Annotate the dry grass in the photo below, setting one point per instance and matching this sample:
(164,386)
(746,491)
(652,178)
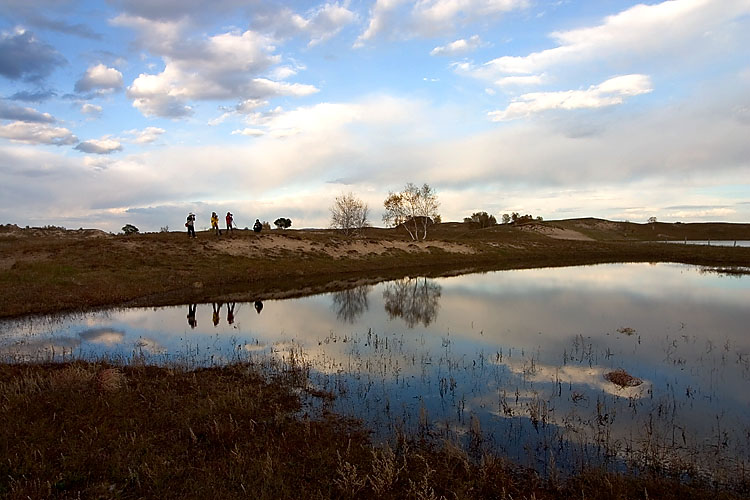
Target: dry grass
(93,430)
(47,271)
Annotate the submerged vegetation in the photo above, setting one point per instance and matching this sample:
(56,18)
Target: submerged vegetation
(103,430)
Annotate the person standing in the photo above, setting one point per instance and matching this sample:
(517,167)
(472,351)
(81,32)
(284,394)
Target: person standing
(230,221)
(215,223)
(190,225)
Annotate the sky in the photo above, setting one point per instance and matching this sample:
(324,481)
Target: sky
(139,111)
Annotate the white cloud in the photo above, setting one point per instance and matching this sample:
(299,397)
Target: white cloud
(439,16)
(640,31)
(37,133)
(100,78)
(225,66)
(382,18)
(377,143)
(91,109)
(458,47)
(253,132)
(319,24)
(428,18)
(520,81)
(145,136)
(250,105)
(23,114)
(104,146)
(608,93)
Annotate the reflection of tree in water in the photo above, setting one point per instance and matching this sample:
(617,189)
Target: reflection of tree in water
(416,300)
(350,304)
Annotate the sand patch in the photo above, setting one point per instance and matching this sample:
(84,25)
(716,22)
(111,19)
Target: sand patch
(263,245)
(557,233)
(271,244)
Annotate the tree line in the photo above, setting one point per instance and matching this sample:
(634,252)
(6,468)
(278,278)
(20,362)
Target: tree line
(414,207)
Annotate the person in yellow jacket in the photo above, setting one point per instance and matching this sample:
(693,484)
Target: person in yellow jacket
(215,223)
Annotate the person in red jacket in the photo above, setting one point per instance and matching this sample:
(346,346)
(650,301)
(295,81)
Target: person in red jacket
(230,221)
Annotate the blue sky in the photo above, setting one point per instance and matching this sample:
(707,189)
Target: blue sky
(138,111)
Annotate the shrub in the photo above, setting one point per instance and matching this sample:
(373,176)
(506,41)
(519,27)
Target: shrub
(130,229)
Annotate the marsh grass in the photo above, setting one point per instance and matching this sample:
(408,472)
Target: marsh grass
(97,430)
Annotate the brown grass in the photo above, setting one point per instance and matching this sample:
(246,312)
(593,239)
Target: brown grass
(71,431)
(47,271)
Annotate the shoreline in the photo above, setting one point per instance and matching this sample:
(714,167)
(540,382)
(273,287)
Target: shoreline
(73,271)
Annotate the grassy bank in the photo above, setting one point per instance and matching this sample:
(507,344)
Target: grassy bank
(96,430)
(51,270)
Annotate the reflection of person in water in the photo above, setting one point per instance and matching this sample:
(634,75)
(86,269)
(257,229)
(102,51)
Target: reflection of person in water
(258,306)
(191,315)
(230,313)
(217,308)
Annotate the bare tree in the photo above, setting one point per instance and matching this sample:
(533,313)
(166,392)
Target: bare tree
(414,208)
(349,213)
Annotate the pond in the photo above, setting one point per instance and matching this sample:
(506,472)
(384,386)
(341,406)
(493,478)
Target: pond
(716,243)
(624,365)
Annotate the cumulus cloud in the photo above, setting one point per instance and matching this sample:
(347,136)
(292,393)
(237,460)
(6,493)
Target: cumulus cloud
(406,19)
(37,133)
(319,24)
(99,78)
(224,66)
(145,136)
(104,146)
(458,47)
(642,30)
(608,93)
(90,109)
(23,56)
(23,114)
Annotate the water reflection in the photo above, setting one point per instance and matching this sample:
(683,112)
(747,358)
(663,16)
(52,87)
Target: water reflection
(415,300)
(350,304)
(103,335)
(191,315)
(517,358)
(217,309)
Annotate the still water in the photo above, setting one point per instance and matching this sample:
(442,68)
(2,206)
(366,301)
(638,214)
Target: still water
(515,362)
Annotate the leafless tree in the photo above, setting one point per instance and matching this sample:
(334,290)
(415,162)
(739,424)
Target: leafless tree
(349,214)
(414,208)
